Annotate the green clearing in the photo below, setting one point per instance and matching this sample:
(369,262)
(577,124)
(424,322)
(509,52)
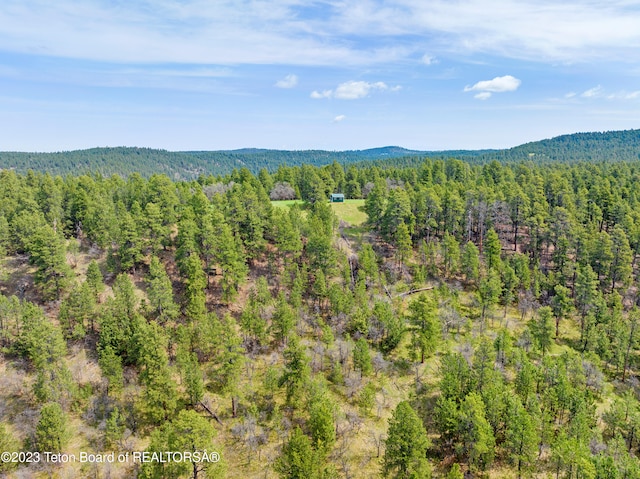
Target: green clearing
(351,211)
(286,203)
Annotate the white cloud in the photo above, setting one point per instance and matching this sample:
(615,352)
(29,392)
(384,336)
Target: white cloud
(289,81)
(485,95)
(339,118)
(599,92)
(538,30)
(592,92)
(354,90)
(497,85)
(281,32)
(317,95)
(429,59)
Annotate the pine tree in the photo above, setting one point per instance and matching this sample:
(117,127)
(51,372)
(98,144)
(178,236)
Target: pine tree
(492,249)
(51,431)
(160,293)
(450,254)
(298,460)
(362,357)
(188,432)
(521,438)
(283,321)
(230,361)
(111,365)
(427,330)
(95,279)
(622,258)
(195,282)
(114,428)
(476,433)
(321,422)
(489,291)
(407,443)
(160,397)
(470,262)
(561,304)
(542,329)
(296,373)
(402,240)
(48,253)
(77,311)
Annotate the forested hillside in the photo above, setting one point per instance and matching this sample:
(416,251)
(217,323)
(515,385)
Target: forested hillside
(186,165)
(189,165)
(483,320)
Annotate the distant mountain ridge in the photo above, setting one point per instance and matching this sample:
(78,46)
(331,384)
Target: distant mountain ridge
(595,146)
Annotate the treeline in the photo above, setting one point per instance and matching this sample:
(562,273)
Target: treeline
(592,146)
(188,165)
(487,316)
(185,165)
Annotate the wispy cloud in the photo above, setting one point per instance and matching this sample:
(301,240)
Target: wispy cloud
(485,95)
(318,95)
(599,92)
(289,81)
(429,59)
(277,32)
(353,90)
(540,30)
(592,92)
(497,85)
(339,118)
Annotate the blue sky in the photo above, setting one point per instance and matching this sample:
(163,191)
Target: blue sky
(293,74)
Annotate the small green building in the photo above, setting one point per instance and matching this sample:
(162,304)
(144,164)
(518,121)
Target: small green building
(337,198)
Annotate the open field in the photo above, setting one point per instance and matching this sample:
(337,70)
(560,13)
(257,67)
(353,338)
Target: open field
(351,211)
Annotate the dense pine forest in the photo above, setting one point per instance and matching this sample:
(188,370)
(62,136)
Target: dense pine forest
(449,319)
(190,165)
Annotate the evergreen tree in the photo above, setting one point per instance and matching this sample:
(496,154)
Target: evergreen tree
(402,240)
(542,329)
(478,442)
(470,262)
(95,279)
(362,357)
(492,249)
(160,293)
(622,258)
(296,373)
(195,283)
(450,254)
(407,443)
(48,253)
(489,291)
(298,460)
(230,361)
(188,432)
(321,422)
(160,397)
(114,428)
(283,321)
(427,330)
(111,366)
(52,433)
(521,438)
(376,203)
(78,311)
(561,304)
